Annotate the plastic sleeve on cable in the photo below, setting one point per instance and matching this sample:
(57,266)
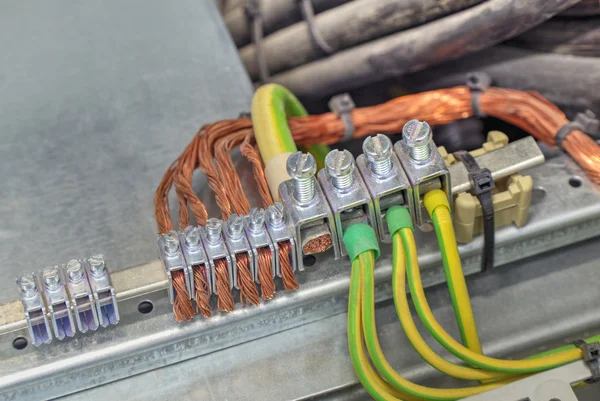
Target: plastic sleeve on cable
(434,199)
(397,218)
(360,238)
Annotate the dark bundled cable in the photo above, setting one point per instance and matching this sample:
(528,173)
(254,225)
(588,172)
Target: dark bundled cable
(448,38)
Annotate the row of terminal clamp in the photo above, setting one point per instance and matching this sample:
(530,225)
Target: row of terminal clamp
(61,300)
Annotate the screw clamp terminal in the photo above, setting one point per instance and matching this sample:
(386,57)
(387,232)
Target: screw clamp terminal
(58,302)
(78,286)
(194,256)
(216,248)
(102,290)
(238,243)
(35,309)
(279,231)
(170,249)
(258,237)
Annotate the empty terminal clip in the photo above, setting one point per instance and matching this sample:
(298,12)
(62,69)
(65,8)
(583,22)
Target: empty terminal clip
(59,304)
(84,308)
(35,310)
(102,290)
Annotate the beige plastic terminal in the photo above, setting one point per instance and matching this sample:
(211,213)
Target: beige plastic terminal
(511,197)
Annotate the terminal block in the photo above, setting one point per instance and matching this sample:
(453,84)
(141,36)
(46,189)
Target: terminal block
(346,193)
(35,309)
(258,237)
(307,209)
(58,303)
(194,256)
(172,256)
(102,290)
(216,249)
(423,165)
(238,244)
(78,286)
(385,180)
(280,232)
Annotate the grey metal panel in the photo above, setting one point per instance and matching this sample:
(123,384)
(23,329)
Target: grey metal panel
(519,310)
(96,100)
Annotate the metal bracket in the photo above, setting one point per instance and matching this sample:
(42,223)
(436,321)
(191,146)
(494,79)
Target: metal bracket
(102,290)
(386,192)
(349,206)
(315,215)
(342,106)
(591,355)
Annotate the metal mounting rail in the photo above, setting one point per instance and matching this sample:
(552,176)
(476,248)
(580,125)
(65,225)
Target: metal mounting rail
(560,214)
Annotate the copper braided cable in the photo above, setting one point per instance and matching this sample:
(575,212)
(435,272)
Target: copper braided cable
(287,273)
(249,150)
(246,284)
(182,306)
(225,302)
(202,291)
(183,184)
(265,273)
(230,179)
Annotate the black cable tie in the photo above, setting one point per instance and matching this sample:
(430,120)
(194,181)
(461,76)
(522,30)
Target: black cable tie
(585,122)
(342,106)
(483,184)
(591,356)
(245,114)
(254,15)
(478,82)
(308,13)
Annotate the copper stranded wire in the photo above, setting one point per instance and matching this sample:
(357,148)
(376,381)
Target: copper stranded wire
(225,301)
(202,291)
(229,175)
(250,151)
(287,273)
(265,273)
(246,284)
(182,306)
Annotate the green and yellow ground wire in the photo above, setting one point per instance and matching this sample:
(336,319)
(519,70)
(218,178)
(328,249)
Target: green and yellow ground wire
(272,105)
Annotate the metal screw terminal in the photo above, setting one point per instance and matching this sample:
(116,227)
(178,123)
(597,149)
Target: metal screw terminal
(378,152)
(257,219)
(417,136)
(275,214)
(340,166)
(213,230)
(75,271)
(235,226)
(51,278)
(97,265)
(192,237)
(171,244)
(302,168)
(28,284)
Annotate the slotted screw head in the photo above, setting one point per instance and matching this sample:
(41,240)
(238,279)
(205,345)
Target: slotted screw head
(27,284)
(51,278)
(97,265)
(235,226)
(339,163)
(171,243)
(416,133)
(377,148)
(74,271)
(257,219)
(301,165)
(275,214)
(214,229)
(192,237)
